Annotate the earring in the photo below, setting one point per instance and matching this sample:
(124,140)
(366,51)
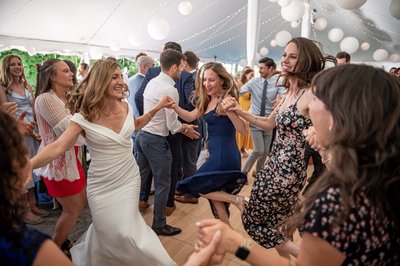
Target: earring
(330,128)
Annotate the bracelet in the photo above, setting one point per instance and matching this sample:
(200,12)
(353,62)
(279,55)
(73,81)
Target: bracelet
(244,250)
(149,115)
(185,130)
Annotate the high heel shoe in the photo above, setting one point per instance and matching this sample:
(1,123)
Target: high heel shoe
(241,202)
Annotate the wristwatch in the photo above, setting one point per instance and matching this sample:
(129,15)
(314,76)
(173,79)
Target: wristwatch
(244,250)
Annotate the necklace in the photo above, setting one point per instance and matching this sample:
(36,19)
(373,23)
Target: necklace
(112,112)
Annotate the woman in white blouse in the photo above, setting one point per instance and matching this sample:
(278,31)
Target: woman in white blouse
(64,177)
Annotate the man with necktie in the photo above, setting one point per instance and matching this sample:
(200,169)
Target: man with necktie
(264,93)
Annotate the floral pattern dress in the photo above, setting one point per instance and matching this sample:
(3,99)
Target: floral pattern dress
(277,186)
(364,237)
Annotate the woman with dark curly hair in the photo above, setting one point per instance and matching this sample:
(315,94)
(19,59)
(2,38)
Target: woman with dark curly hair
(18,244)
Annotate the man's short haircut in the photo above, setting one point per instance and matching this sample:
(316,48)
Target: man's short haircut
(345,55)
(84,66)
(144,60)
(268,62)
(173,46)
(139,55)
(192,59)
(170,57)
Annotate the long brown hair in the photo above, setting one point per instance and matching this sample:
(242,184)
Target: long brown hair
(243,77)
(365,140)
(5,75)
(310,62)
(12,159)
(44,73)
(229,87)
(88,98)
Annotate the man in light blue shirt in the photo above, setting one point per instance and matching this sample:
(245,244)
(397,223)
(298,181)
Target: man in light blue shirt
(264,94)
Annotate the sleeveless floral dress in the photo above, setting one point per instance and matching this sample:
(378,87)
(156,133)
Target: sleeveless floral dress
(277,186)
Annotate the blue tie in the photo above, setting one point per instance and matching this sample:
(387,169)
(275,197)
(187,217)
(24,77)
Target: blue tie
(264,99)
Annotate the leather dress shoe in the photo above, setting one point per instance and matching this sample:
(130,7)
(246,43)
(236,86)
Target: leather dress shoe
(166,230)
(187,199)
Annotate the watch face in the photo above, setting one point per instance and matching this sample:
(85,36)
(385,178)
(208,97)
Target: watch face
(242,252)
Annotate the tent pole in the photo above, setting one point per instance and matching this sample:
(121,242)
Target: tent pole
(253,29)
(306,21)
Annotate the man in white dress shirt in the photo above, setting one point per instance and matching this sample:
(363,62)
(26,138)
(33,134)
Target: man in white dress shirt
(154,154)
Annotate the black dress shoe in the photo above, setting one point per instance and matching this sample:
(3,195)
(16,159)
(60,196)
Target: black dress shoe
(166,230)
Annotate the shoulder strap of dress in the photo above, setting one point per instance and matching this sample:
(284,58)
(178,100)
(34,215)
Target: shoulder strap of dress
(299,97)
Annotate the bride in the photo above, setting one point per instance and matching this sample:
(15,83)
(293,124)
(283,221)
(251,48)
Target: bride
(118,234)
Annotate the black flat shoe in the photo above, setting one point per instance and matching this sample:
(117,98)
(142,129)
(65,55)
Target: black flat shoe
(167,230)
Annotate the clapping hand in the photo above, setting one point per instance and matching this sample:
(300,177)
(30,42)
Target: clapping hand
(9,108)
(25,129)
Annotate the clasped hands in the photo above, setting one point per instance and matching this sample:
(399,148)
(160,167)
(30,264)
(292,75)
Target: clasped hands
(215,239)
(230,104)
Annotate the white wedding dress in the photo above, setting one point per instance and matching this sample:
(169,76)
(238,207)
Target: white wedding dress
(118,235)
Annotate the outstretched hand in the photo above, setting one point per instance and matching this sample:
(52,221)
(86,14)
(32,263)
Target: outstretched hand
(166,101)
(190,132)
(9,108)
(204,255)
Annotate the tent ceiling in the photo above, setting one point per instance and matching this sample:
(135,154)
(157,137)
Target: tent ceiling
(214,28)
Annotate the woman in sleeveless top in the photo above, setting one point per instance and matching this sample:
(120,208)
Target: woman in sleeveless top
(17,90)
(220,175)
(277,186)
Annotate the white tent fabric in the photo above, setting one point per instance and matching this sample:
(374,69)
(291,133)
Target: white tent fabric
(214,29)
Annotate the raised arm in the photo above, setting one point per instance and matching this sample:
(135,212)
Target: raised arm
(141,121)
(55,149)
(266,123)
(237,122)
(186,115)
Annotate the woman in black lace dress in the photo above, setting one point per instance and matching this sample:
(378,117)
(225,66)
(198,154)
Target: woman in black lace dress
(277,186)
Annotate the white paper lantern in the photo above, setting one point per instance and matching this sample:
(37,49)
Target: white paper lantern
(335,35)
(273,1)
(320,24)
(295,24)
(349,44)
(283,3)
(257,57)
(243,62)
(350,4)
(95,53)
(134,39)
(380,55)
(158,29)
(115,46)
(282,38)
(264,51)
(273,43)
(394,58)
(185,7)
(394,8)
(294,11)
(364,46)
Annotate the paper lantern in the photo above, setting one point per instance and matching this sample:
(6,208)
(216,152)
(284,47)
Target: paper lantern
(243,62)
(394,58)
(115,46)
(273,1)
(282,38)
(283,3)
(257,57)
(134,39)
(158,29)
(335,34)
(294,11)
(295,24)
(349,44)
(364,46)
(95,53)
(273,43)
(185,7)
(380,55)
(350,4)
(264,51)
(320,24)
(394,9)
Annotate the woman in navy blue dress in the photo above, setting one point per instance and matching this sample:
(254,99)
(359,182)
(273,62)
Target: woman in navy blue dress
(220,175)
